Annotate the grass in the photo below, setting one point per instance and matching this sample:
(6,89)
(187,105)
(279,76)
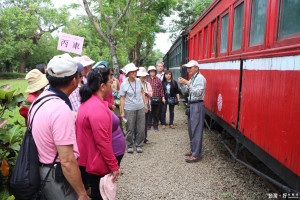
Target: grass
(16,84)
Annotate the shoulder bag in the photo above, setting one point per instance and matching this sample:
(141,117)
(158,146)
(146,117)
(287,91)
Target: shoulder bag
(25,182)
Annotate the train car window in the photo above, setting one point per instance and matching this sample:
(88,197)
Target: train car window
(206,41)
(258,21)
(200,43)
(289,18)
(192,49)
(196,47)
(214,38)
(238,27)
(224,33)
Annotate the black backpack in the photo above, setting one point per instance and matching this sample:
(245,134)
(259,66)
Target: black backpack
(25,182)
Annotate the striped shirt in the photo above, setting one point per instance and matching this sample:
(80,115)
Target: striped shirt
(75,99)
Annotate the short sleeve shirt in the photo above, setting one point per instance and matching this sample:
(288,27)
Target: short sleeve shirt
(132,91)
(53,124)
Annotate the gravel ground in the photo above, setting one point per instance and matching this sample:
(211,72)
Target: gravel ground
(161,172)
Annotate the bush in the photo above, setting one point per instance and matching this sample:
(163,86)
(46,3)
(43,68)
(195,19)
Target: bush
(11,134)
(12,75)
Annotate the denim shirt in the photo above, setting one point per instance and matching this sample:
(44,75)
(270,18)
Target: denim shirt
(197,88)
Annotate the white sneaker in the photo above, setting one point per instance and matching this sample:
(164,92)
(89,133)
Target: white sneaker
(130,150)
(139,150)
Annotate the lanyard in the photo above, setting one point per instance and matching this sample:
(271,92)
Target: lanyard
(132,88)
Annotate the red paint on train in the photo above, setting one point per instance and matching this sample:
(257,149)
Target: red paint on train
(222,93)
(269,102)
(269,114)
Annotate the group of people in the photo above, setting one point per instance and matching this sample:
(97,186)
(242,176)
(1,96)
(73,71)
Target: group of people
(144,97)
(79,119)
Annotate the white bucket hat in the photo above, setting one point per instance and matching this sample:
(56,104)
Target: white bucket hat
(151,68)
(36,81)
(123,70)
(130,68)
(142,72)
(192,63)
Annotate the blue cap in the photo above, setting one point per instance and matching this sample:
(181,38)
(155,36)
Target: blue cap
(98,64)
(80,67)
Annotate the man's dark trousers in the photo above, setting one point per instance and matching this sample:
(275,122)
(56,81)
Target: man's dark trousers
(197,114)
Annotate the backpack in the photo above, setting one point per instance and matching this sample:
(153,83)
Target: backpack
(25,182)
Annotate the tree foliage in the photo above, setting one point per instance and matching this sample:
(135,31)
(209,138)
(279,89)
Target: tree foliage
(127,28)
(153,57)
(23,23)
(143,20)
(109,14)
(188,11)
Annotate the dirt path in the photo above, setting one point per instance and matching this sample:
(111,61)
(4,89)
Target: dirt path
(161,172)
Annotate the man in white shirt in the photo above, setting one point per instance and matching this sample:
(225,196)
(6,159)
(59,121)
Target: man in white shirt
(160,70)
(160,74)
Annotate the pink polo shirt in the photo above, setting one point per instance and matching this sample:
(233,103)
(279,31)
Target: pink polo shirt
(53,125)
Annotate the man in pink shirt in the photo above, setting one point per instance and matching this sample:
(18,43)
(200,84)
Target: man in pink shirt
(53,130)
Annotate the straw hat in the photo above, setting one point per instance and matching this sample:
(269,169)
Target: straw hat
(36,81)
(142,72)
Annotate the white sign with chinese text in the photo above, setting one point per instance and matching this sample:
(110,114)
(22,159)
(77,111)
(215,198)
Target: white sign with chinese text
(70,43)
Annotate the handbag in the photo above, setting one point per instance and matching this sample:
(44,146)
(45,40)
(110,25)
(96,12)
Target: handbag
(155,100)
(172,100)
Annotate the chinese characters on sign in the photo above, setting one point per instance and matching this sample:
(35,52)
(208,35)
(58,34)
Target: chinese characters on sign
(70,43)
(284,195)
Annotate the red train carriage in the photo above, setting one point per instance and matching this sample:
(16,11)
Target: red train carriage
(249,53)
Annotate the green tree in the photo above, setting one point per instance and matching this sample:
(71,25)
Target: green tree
(23,23)
(93,45)
(188,11)
(153,57)
(110,13)
(143,20)
(43,51)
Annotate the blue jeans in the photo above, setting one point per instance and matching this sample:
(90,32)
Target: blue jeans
(164,111)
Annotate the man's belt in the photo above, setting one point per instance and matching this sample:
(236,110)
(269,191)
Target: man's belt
(198,101)
(46,165)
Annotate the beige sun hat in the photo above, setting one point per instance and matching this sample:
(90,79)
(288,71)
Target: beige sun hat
(36,81)
(142,72)
(151,68)
(130,68)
